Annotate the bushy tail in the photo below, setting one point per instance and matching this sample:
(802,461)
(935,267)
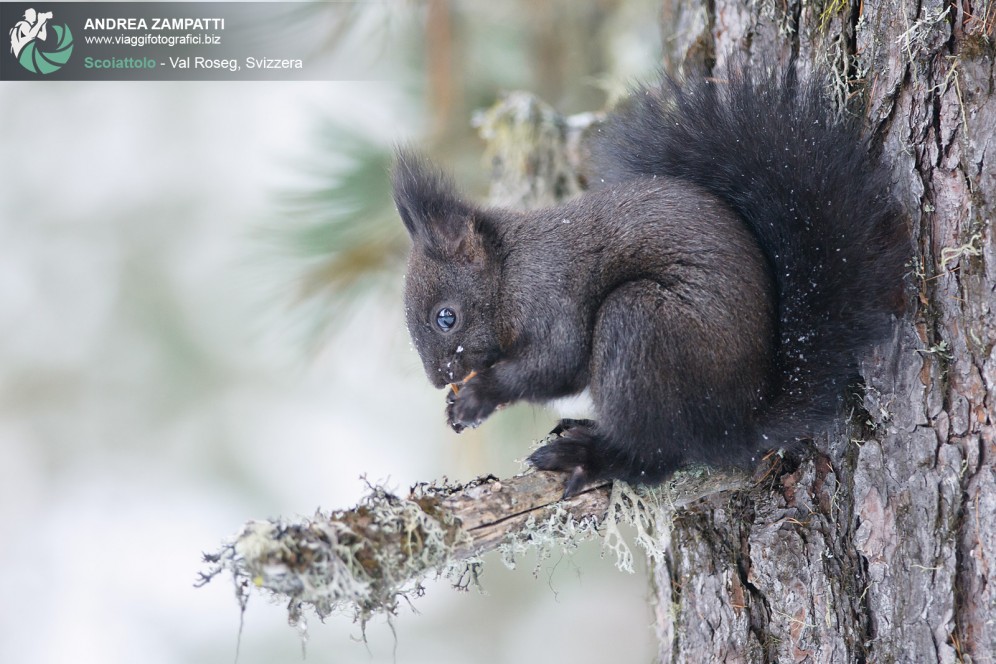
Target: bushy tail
(803,181)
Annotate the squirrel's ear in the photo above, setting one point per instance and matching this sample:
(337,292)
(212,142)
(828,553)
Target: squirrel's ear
(431,210)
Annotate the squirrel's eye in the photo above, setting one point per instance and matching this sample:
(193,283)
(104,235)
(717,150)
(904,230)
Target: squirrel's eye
(446,319)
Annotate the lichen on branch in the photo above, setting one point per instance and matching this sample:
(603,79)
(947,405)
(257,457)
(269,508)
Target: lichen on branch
(365,560)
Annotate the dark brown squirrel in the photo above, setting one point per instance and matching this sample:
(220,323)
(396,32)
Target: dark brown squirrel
(714,289)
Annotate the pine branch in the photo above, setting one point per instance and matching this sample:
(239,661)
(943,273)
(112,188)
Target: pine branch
(367,558)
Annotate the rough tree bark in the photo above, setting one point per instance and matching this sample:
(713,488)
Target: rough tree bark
(881,547)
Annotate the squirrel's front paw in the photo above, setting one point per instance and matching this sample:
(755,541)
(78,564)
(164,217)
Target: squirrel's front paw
(468,407)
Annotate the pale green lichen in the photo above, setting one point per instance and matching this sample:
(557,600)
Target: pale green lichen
(972,248)
(561,532)
(364,561)
(647,510)
(527,149)
(933,27)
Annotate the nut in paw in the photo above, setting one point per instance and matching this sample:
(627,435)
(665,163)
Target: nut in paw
(468,407)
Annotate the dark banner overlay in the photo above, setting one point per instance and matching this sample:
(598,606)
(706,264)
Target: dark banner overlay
(174,41)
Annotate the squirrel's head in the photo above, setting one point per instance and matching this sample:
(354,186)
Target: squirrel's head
(451,287)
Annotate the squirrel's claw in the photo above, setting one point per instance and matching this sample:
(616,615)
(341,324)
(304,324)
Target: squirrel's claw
(575,483)
(569,423)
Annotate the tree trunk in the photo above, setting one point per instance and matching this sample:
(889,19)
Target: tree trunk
(879,548)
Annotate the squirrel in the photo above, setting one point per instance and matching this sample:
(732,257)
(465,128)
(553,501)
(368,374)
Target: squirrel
(713,290)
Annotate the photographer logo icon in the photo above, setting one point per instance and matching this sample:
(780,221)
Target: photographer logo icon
(31,45)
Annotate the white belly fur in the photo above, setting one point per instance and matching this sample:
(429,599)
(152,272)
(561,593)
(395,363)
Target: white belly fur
(577,406)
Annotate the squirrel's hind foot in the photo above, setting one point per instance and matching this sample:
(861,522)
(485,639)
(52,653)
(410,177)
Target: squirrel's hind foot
(577,450)
(585,451)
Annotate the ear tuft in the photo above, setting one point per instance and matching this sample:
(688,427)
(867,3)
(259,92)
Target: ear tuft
(425,196)
(431,210)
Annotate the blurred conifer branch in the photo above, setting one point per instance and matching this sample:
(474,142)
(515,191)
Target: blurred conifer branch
(339,230)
